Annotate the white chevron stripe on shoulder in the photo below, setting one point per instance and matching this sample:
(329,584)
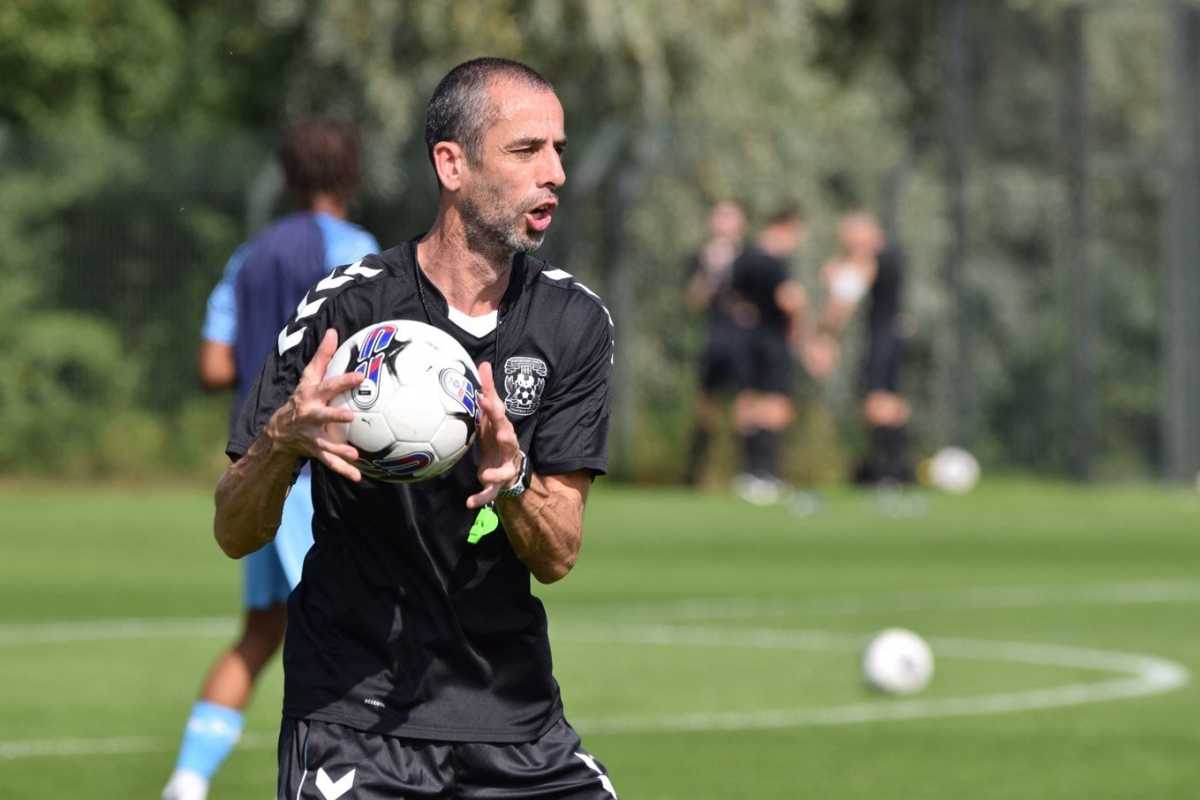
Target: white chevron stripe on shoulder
(596,297)
(320,293)
(560,275)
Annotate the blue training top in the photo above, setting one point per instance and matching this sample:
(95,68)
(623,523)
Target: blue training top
(266,278)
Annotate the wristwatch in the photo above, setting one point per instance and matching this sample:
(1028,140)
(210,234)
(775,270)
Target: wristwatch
(518,486)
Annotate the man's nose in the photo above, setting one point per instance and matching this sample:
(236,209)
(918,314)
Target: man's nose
(553,175)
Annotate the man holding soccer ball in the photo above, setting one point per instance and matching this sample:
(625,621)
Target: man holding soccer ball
(417,660)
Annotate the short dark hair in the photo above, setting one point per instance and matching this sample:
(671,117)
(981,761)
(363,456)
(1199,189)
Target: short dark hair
(459,110)
(787,213)
(321,154)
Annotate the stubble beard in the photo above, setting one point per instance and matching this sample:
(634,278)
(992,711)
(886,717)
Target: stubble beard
(494,227)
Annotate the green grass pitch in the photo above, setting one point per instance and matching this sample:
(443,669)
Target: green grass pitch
(706,648)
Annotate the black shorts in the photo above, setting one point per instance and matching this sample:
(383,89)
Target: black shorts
(324,761)
(881,371)
(723,363)
(769,358)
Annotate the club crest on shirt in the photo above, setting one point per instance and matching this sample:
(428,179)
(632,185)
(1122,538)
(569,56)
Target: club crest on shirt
(524,379)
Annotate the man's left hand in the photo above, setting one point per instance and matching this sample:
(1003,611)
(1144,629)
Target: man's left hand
(499,450)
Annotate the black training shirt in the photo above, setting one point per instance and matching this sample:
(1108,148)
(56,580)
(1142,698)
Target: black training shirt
(719,311)
(400,625)
(756,276)
(885,293)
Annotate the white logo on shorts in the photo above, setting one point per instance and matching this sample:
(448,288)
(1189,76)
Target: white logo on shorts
(594,767)
(332,790)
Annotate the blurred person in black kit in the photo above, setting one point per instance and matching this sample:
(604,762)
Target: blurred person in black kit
(870,267)
(776,305)
(722,361)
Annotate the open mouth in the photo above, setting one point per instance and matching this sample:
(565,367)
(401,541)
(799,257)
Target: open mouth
(539,217)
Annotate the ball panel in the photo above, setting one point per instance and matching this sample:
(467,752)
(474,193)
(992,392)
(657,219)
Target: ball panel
(370,432)
(451,439)
(416,409)
(413,412)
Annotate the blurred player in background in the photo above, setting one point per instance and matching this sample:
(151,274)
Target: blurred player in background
(776,304)
(871,268)
(723,359)
(263,282)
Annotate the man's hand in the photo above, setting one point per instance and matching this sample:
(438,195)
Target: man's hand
(820,355)
(499,450)
(298,426)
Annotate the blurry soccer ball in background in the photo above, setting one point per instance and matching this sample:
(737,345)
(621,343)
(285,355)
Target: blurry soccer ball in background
(417,409)
(897,661)
(951,469)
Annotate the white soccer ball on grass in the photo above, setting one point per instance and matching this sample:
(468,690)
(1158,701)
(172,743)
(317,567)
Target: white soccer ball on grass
(953,470)
(897,661)
(417,409)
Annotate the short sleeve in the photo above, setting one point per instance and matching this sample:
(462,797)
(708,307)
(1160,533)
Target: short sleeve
(332,302)
(573,420)
(220,317)
(293,349)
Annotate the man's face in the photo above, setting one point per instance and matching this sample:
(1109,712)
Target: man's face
(508,193)
(785,238)
(726,221)
(860,235)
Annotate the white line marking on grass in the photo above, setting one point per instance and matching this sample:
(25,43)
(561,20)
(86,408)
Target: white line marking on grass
(105,630)
(1117,594)
(700,608)
(110,745)
(1144,675)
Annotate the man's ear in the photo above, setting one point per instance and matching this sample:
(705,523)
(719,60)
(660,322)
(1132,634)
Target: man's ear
(450,162)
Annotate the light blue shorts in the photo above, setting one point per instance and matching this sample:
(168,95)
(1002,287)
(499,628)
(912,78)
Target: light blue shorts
(270,574)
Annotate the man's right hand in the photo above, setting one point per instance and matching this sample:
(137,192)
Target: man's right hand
(298,426)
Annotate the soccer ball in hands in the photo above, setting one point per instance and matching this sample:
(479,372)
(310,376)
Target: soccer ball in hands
(417,409)
(897,661)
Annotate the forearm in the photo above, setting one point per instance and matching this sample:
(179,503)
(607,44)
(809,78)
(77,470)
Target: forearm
(836,316)
(249,498)
(216,365)
(545,526)
(699,293)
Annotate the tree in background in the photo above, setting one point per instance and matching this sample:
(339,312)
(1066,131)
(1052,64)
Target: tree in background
(134,142)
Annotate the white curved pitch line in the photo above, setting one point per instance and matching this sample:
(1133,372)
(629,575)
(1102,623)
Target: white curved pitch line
(703,608)
(1144,675)
(995,597)
(111,745)
(14,634)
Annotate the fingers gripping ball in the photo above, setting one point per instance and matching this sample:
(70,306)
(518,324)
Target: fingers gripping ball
(416,411)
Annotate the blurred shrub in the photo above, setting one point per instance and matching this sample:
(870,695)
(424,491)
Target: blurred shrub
(63,377)
(131,443)
(198,435)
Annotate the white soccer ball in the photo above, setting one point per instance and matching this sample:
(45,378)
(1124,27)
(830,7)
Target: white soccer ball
(897,661)
(417,409)
(953,470)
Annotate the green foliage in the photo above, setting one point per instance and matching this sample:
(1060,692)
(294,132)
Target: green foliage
(62,377)
(135,146)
